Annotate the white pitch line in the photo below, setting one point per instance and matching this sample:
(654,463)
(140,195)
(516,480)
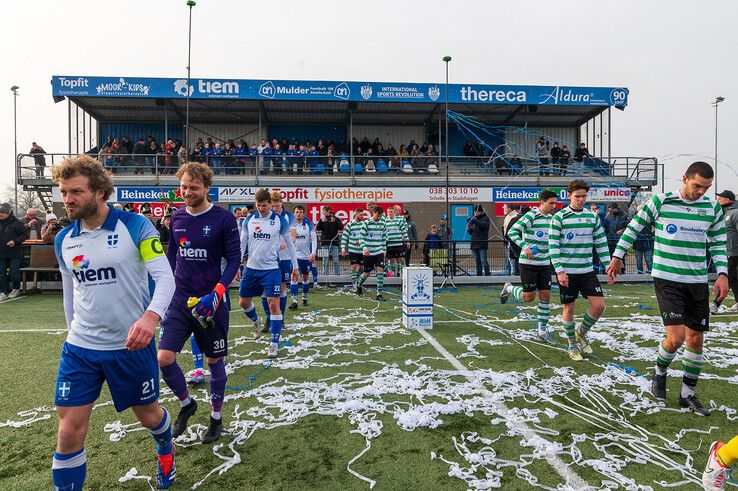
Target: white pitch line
(571,477)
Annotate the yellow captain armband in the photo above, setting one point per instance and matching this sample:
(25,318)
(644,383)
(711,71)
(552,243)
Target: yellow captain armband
(150,249)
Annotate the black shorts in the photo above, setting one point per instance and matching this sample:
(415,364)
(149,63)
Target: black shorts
(356,258)
(585,284)
(396,252)
(373,262)
(535,277)
(684,303)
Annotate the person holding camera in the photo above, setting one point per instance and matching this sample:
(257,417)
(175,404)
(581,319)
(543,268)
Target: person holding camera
(50,229)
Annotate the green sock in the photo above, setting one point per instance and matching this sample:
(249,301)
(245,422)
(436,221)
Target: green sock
(517,292)
(664,359)
(354,275)
(544,310)
(380,281)
(692,362)
(569,330)
(362,279)
(587,323)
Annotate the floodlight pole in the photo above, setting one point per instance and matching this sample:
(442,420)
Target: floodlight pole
(14,89)
(190,4)
(718,100)
(449,246)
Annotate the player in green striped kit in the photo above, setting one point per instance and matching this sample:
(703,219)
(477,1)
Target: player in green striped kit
(573,232)
(530,233)
(375,246)
(352,244)
(397,241)
(686,222)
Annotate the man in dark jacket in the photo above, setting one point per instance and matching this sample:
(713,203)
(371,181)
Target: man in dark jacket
(329,227)
(614,224)
(412,234)
(478,229)
(38,158)
(12,235)
(139,152)
(730,212)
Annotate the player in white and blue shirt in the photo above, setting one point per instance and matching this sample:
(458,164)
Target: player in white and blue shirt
(306,243)
(105,258)
(261,236)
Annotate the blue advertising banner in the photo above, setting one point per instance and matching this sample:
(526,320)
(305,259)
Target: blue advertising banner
(303,90)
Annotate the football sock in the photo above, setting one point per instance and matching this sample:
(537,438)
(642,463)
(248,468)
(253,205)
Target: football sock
(293,289)
(380,282)
(692,362)
(305,289)
(265,304)
(354,276)
(162,434)
(544,310)
(68,471)
(314,270)
(517,292)
(217,385)
(283,302)
(276,327)
(251,313)
(362,279)
(663,359)
(587,323)
(175,379)
(569,330)
(728,453)
(196,353)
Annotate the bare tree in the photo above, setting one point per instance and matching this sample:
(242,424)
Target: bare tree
(26,200)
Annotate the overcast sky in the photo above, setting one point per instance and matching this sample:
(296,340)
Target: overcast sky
(674,56)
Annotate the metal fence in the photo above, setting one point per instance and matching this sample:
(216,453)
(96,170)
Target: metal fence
(644,170)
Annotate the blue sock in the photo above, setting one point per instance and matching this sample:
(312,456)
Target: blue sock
(68,471)
(265,304)
(283,302)
(276,327)
(196,353)
(305,289)
(251,313)
(163,435)
(293,289)
(314,270)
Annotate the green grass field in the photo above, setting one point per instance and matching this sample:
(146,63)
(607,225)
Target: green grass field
(354,399)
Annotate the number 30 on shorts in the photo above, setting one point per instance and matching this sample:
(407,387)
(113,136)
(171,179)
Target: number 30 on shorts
(219,344)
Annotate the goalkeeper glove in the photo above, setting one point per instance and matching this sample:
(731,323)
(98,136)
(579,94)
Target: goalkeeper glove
(206,306)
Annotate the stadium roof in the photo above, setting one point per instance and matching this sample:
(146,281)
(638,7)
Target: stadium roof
(125,99)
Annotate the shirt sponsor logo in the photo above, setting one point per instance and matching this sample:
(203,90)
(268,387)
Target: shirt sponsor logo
(82,271)
(186,250)
(258,234)
(671,228)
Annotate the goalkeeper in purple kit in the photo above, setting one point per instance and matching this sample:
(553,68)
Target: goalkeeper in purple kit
(203,237)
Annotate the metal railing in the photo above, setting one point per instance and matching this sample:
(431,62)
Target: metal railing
(463,260)
(630,169)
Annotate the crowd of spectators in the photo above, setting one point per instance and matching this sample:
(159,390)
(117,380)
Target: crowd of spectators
(270,156)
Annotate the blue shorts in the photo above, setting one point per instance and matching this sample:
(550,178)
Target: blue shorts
(179,324)
(304,265)
(285,269)
(132,376)
(254,282)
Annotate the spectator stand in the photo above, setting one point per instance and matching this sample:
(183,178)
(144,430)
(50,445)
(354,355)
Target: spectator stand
(348,115)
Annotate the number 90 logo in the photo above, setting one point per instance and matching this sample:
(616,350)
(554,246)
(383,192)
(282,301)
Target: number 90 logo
(618,97)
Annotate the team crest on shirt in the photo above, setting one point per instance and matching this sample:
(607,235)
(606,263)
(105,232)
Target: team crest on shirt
(112,240)
(206,230)
(702,212)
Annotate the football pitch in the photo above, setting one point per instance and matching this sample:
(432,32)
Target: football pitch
(356,401)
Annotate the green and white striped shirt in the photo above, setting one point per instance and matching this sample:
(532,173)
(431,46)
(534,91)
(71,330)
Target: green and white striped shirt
(375,237)
(352,238)
(683,230)
(571,236)
(396,231)
(531,230)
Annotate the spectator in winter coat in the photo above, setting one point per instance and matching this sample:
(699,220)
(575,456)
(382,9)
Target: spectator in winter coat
(12,235)
(581,153)
(478,229)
